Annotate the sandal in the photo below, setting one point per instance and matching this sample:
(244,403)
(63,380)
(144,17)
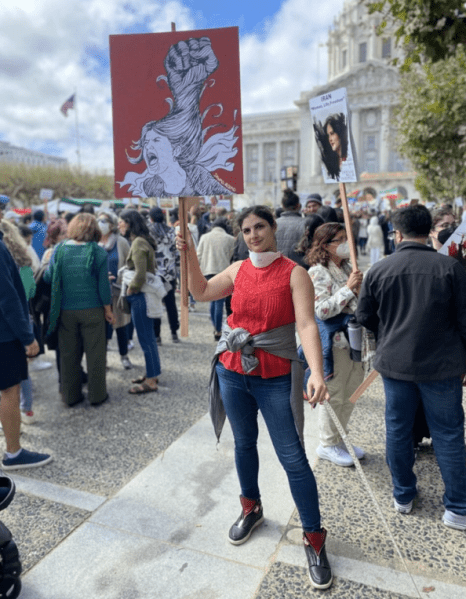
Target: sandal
(141,379)
(142,388)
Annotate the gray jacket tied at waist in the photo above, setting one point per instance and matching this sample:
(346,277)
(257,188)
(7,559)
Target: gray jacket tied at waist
(280,342)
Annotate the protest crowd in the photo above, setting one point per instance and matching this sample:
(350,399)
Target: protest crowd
(280,332)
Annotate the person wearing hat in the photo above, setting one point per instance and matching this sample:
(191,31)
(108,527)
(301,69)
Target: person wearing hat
(313,203)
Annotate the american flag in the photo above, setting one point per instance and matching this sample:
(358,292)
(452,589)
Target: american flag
(67,105)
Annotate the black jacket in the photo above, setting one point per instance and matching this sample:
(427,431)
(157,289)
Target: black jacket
(415,303)
(14,311)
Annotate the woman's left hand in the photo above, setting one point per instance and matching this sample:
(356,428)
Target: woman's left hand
(109,315)
(317,391)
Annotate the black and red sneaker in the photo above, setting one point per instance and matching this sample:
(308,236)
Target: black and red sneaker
(320,572)
(251,517)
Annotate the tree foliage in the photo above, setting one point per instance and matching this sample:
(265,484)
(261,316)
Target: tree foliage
(24,183)
(431,125)
(429,30)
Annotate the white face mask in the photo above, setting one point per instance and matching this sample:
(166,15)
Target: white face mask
(342,250)
(263,259)
(104,227)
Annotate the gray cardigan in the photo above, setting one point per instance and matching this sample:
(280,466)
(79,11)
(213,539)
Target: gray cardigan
(279,342)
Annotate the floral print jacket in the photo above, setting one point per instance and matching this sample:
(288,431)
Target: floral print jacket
(332,295)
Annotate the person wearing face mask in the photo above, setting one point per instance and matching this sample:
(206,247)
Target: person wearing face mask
(336,291)
(117,249)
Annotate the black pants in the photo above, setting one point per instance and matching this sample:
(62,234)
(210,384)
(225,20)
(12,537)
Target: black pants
(172,312)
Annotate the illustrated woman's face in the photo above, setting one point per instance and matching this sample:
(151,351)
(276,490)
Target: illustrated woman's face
(157,152)
(333,139)
(258,235)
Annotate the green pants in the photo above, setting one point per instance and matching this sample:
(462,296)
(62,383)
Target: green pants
(82,330)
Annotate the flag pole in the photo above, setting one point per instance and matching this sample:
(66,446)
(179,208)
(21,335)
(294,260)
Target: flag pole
(78,151)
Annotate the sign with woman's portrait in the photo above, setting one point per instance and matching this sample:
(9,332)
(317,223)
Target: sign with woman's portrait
(331,123)
(176,113)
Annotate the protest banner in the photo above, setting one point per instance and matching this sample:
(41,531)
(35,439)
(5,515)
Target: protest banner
(331,122)
(455,245)
(176,113)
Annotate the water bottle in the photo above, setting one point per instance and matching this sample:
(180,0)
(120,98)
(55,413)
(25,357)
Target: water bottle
(355,339)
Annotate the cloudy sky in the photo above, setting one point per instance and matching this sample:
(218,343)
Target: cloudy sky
(50,48)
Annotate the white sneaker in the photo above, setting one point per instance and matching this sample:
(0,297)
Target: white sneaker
(130,345)
(453,520)
(28,417)
(360,454)
(37,365)
(403,508)
(335,454)
(125,361)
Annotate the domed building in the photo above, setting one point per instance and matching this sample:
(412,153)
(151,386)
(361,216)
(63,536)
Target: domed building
(359,60)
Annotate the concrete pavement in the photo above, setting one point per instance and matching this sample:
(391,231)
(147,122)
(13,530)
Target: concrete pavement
(140,498)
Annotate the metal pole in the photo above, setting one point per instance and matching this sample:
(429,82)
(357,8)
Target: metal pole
(78,151)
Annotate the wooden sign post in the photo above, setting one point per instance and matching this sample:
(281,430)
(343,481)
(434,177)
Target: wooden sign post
(184,205)
(349,229)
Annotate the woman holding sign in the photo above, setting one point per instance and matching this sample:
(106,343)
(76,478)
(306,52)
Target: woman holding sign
(255,367)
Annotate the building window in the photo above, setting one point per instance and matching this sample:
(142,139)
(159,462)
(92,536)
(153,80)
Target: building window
(269,151)
(288,153)
(252,152)
(370,153)
(252,156)
(252,174)
(386,47)
(363,52)
(270,173)
(343,59)
(370,142)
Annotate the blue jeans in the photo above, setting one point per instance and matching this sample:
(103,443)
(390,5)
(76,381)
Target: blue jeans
(216,313)
(145,329)
(26,395)
(445,417)
(243,396)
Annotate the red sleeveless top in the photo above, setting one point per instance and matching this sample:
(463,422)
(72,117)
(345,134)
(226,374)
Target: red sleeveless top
(261,301)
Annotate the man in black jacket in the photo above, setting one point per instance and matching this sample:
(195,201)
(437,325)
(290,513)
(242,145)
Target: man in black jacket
(415,303)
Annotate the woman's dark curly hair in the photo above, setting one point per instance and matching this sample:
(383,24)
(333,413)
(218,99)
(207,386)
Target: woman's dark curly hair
(338,124)
(137,226)
(311,223)
(318,254)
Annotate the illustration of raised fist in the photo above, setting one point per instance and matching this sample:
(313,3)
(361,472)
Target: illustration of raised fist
(190,62)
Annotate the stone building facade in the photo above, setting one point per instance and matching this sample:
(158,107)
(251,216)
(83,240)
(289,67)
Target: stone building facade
(358,60)
(16,154)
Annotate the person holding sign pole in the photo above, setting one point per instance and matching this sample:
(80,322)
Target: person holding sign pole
(336,292)
(256,367)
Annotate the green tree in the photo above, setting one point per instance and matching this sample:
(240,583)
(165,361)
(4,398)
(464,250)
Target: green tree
(429,30)
(21,182)
(431,125)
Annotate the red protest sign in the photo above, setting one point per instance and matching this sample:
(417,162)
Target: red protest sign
(177,113)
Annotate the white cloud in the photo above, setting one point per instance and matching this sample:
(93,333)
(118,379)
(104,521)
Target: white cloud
(50,48)
(286,59)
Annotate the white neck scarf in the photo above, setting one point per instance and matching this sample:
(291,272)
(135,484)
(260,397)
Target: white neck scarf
(263,259)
